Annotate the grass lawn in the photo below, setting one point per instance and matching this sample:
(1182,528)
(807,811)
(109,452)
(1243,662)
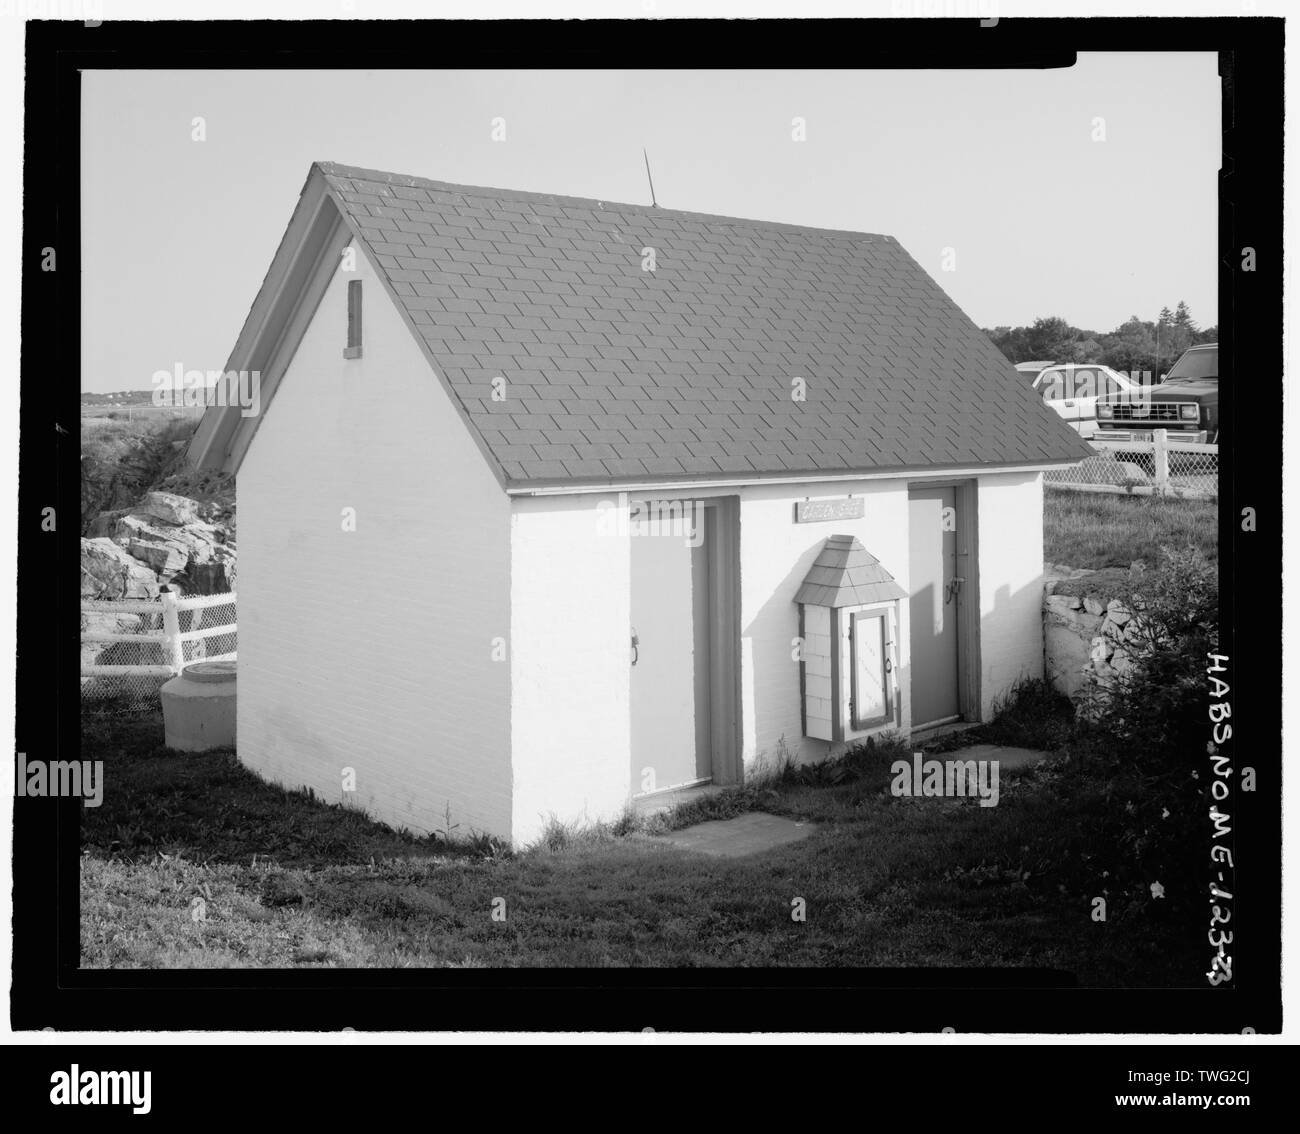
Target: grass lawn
(1096,530)
(192,861)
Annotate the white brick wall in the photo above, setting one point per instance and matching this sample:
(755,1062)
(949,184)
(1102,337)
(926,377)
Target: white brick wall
(570,615)
(570,627)
(775,555)
(1011,581)
(372,649)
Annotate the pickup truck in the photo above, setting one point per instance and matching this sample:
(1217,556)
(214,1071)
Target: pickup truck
(1186,403)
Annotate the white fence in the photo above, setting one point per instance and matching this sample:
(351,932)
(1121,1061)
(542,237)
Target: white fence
(1158,467)
(130,647)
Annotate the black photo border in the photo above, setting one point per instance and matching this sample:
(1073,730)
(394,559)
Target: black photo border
(49,990)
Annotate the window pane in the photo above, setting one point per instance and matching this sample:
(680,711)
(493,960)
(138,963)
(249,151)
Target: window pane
(869,640)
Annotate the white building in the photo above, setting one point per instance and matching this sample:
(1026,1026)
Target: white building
(536,481)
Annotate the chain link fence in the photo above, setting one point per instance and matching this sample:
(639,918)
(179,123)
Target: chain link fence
(1156,467)
(217,621)
(130,648)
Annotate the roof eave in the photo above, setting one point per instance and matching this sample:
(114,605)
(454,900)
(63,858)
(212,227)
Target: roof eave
(562,487)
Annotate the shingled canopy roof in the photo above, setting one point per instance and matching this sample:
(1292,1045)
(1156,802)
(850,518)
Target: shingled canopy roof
(618,373)
(846,574)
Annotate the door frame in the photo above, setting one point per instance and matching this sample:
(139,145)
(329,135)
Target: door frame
(722,531)
(969,682)
(724,637)
(885,611)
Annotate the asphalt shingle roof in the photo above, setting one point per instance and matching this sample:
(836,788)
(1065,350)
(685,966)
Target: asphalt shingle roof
(686,371)
(846,574)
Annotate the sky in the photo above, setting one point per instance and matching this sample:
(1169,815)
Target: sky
(1006,177)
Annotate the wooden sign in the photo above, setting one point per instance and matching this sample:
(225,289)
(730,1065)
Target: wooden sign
(814,511)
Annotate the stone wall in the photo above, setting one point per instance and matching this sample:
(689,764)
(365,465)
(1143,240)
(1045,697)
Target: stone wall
(1088,633)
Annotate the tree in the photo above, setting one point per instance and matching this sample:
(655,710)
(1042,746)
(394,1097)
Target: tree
(1131,347)
(1135,346)
(1052,337)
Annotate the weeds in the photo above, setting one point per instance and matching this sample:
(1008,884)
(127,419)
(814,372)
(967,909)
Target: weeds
(1098,530)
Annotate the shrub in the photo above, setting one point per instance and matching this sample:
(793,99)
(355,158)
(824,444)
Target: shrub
(1032,714)
(1155,707)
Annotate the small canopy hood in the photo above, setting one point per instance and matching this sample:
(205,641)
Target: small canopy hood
(846,574)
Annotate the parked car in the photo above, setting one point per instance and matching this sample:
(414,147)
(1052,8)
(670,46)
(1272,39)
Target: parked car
(1029,370)
(1074,389)
(1185,403)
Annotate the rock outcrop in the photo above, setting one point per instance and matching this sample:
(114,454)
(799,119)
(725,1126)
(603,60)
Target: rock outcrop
(108,571)
(164,539)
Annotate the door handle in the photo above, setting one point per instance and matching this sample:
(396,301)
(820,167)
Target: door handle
(953,589)
(636,647)
(1069,405)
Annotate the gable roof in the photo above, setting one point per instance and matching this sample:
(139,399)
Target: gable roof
(618,373)
(846,574)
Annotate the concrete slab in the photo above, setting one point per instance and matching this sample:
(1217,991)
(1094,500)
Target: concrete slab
(921,737)
(744,835)
(1008,758)
(667,800)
